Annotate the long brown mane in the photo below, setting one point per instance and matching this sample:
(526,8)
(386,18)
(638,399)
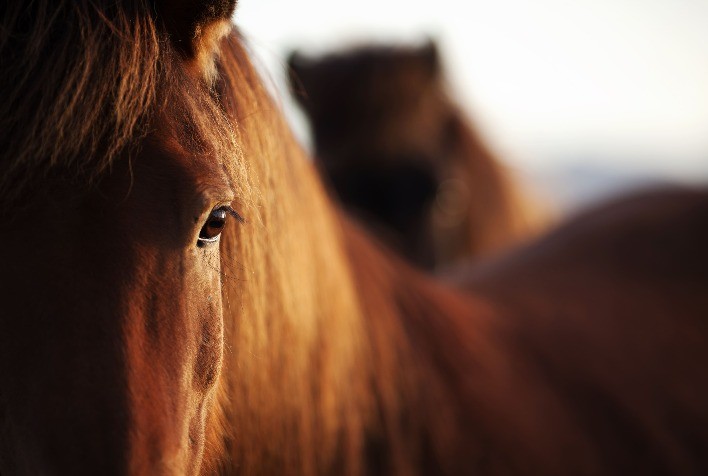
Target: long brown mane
(304,393)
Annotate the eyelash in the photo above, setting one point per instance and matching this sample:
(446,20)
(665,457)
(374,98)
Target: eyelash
(233,213)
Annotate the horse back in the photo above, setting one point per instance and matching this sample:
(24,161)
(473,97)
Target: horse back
(605,325)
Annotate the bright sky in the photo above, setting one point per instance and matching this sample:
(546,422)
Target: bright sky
(622,83)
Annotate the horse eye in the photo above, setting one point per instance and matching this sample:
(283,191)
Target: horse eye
(215,224)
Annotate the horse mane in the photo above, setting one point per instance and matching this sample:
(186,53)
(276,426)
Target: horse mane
(291,307)
(324,369)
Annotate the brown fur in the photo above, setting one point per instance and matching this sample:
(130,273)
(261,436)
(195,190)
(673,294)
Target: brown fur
(382,118)
(298,347)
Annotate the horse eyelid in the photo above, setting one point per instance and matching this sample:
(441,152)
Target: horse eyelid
(228,209)
(234,213)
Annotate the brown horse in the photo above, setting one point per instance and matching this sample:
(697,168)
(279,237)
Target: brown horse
(146,329)
(402,157)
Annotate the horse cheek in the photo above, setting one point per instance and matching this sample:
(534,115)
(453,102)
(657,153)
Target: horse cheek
(209,330)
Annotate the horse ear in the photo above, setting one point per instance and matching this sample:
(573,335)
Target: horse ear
(298,70)
(428,53)
(297,63)
(191,23)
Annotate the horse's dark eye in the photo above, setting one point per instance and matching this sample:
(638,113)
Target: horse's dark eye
(215,224)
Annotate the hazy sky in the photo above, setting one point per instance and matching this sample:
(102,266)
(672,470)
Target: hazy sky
(621,81)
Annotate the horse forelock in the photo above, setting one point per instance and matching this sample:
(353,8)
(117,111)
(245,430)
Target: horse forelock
(85,81)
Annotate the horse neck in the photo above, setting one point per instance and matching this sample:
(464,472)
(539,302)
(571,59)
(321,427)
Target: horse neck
(423,339)
(501,212)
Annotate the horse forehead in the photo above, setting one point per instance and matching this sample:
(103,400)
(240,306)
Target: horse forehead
(202,173)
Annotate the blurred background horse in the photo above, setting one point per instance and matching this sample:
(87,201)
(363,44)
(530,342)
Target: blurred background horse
(402,157)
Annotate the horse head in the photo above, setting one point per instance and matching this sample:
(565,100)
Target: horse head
(401,156)
(113,205)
